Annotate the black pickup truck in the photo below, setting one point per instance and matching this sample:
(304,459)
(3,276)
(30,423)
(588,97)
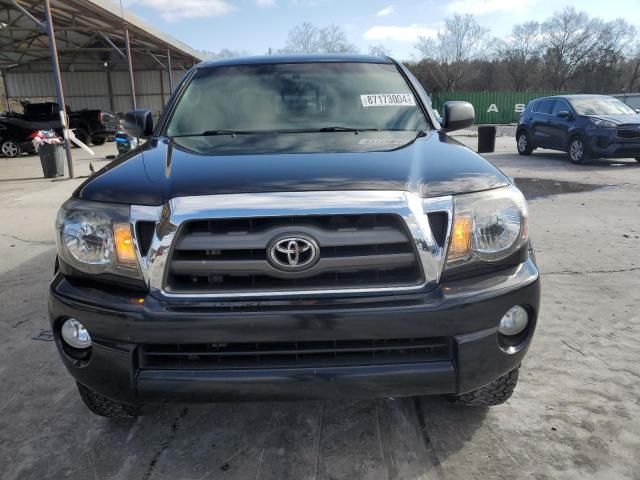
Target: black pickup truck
(295,227)
(90,126)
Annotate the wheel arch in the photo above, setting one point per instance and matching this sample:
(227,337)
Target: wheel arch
(576,132)
(522,129)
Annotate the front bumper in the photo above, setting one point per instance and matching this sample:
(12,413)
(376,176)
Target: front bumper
(610,145)
(465,311)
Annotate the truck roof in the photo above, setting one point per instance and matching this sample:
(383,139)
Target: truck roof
(295,58)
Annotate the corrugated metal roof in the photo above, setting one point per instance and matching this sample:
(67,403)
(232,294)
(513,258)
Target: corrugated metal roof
(114,9)
(85,41)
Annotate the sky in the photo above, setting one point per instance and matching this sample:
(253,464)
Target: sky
(255,26)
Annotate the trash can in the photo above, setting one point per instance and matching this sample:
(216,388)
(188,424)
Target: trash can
(486,139)
(52,160)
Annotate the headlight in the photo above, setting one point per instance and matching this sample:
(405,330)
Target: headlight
(96,238)
(87,237)
(599,122)
(487,226)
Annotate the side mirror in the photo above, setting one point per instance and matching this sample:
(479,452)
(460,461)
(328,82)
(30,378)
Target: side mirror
(457,115)
(564,114)
(138,123)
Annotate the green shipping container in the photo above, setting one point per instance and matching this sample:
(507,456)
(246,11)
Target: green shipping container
(492,107)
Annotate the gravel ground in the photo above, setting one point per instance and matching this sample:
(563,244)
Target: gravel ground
(574,415)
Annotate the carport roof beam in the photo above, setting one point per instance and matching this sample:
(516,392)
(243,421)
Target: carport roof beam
(23,39)
(26,13)
(112,45)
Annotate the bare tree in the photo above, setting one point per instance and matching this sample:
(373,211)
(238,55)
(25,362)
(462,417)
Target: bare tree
(302,39)
(223,53)
(379,51)
(635,69)
(307,38)
(463,39)
(605,66)
(520,52)
(333,39)
(568,39)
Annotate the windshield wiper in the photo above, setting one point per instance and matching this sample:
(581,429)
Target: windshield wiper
(345,129)
(213,133)
(336,128)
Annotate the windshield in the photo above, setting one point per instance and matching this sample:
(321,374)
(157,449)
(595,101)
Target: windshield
(601,106)
(296,97)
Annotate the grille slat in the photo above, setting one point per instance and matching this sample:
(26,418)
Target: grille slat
(262,267)
(231,255)
(260,240)
(294,354)
(629,131)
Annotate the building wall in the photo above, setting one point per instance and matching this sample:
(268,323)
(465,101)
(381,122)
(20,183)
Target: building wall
(90,90)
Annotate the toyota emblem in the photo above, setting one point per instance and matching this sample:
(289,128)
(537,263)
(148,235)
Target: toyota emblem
(294,253)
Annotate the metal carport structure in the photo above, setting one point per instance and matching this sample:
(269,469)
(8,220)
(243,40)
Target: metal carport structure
(106,57)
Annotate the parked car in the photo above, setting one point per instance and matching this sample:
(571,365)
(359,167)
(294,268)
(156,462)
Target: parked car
(90,126)
(585,126)
(15,139)
(295,227)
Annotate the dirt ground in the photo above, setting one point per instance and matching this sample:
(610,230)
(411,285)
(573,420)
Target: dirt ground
(574,415)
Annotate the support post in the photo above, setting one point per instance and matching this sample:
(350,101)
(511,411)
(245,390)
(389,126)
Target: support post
(169,67)
(112,103)
(3,74)
(130,64)
(58,83)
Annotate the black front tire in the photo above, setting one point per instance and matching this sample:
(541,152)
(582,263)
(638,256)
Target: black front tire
(523,142)
(105,407)
(578,150)
(99,140)
(497,392)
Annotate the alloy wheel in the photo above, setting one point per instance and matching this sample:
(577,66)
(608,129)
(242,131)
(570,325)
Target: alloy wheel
(522,142)
(10,149)
(576,151)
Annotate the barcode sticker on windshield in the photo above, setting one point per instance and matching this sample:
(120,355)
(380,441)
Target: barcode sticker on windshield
(388,100)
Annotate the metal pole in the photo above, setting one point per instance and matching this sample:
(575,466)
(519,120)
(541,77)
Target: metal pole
(130,64)
(112,103)
(3,74)
(169,67)
(58,82)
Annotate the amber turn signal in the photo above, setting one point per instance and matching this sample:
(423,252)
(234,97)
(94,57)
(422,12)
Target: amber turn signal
(124,243)
(460,238)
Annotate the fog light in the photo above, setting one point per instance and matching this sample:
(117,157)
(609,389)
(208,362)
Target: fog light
(74,334)
(514,321)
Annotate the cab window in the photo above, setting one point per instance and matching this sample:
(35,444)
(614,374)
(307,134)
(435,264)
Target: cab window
(545,106)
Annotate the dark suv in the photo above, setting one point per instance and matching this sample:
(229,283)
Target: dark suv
(584,126)
(295,227)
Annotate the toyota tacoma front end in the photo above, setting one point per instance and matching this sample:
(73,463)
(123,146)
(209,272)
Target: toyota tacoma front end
(295,227)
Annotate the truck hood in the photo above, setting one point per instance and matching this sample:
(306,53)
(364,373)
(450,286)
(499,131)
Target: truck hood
(429,165)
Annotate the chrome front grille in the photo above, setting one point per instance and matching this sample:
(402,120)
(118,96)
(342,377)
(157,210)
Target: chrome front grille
(220,246)
(231,255)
